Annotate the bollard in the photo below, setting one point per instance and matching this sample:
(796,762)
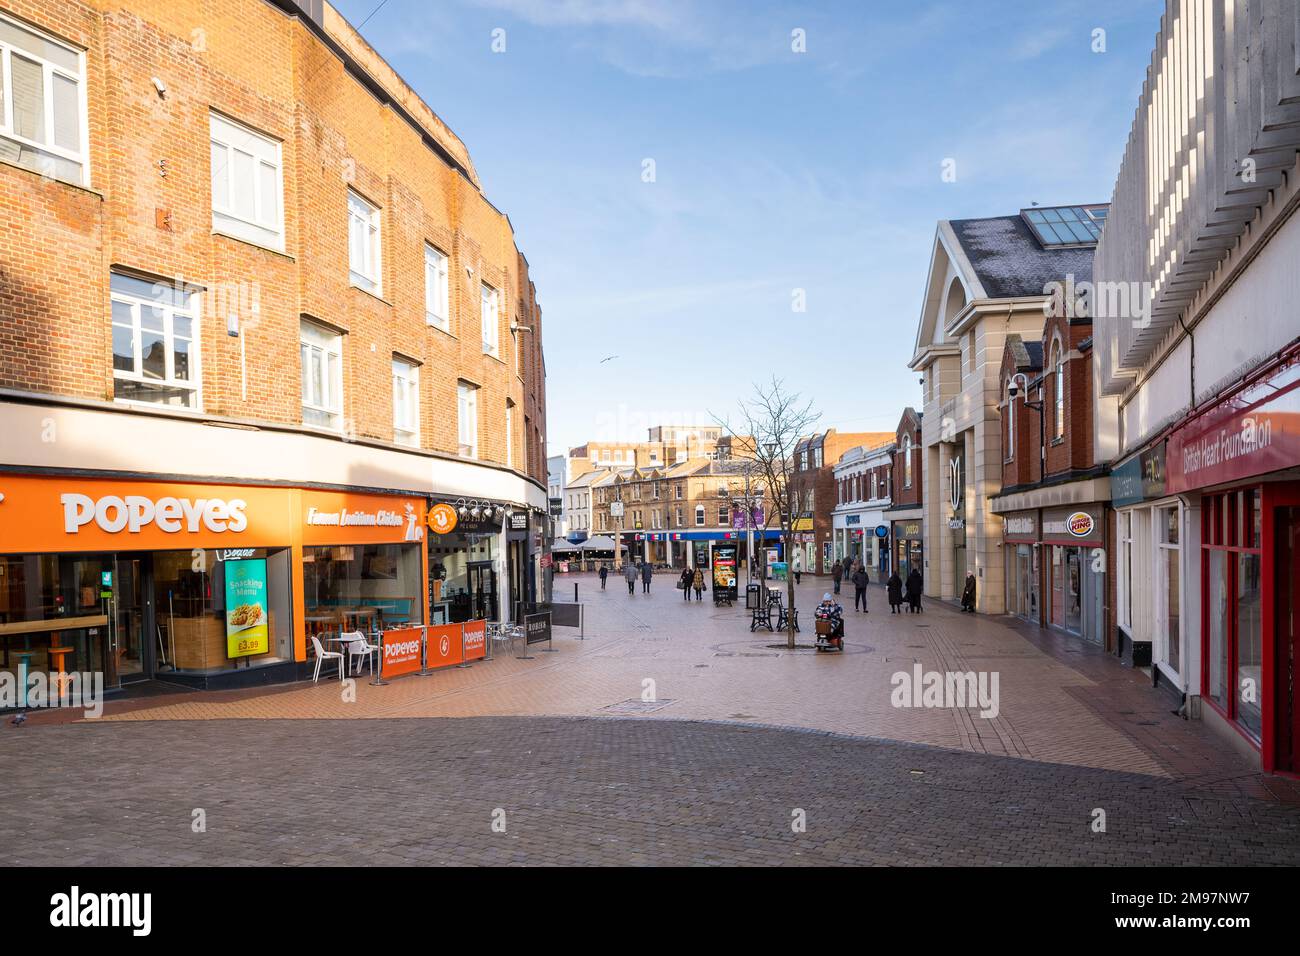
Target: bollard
(378,679)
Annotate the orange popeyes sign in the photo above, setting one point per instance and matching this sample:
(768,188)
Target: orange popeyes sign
(475,640)
(443,646)
(401,652)
(92,514)
(84,514)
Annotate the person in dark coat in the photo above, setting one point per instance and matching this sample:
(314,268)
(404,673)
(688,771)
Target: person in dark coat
(860,582)
(629,575)
(647,570)
(837,574)
(968,593)
(914,592)
(685,584)
(895,589)
(604,573)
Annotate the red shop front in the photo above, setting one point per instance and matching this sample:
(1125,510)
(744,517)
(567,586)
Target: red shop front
(1242,457)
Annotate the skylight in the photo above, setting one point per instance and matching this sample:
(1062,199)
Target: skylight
(1066,225)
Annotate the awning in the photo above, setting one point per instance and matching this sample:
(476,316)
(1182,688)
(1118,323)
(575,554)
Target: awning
(600,543)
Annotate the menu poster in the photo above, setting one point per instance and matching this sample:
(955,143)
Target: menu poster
(247,614)
(724,566)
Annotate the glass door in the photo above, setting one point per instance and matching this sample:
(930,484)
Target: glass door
(129,642)
(1073,591)
(482,591)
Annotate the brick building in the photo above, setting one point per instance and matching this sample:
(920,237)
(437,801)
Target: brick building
(247,269)
(1054,500)
(813,477)
(905,514)
(864,479)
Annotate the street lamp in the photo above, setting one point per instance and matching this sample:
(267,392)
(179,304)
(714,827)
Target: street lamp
(1012,389)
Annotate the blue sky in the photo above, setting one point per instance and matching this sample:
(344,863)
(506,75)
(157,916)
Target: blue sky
(774,171)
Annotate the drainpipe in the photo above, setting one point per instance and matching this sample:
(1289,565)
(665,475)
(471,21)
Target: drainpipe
(1191,365)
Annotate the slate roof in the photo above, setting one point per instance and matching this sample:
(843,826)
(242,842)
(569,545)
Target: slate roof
(1011,262)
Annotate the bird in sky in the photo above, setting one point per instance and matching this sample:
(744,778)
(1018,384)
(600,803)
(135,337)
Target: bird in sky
(608,358)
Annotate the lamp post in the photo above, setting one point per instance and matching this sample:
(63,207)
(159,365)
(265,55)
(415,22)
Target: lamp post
(1036,406)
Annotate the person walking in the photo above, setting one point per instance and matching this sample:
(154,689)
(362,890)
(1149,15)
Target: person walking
(895,588)
(968,593)
(629,575)
(604,573)
(797,567)
(697,581)
(914,592)
(685,583)
(860,582)
(837,573)
(647,572)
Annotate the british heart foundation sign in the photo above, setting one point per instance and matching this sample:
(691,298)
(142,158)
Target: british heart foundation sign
(1242,438)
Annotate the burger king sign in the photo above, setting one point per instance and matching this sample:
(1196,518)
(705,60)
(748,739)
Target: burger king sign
(1080,524)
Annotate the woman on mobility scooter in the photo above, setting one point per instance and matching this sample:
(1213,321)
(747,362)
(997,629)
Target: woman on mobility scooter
(829,618)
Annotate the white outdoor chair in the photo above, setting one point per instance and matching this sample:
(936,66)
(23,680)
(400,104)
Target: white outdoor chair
(358,646)
(323,655)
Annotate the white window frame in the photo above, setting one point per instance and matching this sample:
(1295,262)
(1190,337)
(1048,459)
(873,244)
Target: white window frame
(170,312)
(467,419)
(49,70)
(317,341)
(264,228)
(907,461)
(406,402)
(437,289)
(1123,568)
(366,216)
(699,516)
(490,313)
(1160,586)
(1058,372)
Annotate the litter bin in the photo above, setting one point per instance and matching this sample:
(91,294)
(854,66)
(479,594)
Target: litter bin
(753,596)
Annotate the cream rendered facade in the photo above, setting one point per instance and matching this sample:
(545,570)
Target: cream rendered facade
(958,352)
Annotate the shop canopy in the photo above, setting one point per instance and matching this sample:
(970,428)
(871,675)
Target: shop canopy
(559,544)
(600,543)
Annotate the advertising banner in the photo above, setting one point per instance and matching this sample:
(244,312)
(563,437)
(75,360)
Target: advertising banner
(443,646)
(537,628)
(247,611)
(475,640)
(724,572)
(401,652)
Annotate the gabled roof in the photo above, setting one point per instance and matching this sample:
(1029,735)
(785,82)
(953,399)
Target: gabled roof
(1024,356)
(1010,262)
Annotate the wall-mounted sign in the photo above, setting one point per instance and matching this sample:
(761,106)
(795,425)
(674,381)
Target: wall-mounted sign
(852,519)
(882,531)
(1251,434)
(442,519)
(1073,525)
(956,483)
(519,521)
(247,610)
(1080,524)
(1022,525)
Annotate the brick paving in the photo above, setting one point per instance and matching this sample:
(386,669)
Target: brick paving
(739,735)
(586,791)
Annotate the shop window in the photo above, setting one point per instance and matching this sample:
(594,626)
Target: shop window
(361,587)
(1234,642)
(364,244)
(467,419)
(437,310)
(406,402)
(247,183)
(322,376)
(42,104)
(490,309)
(1169,587)
(155,336)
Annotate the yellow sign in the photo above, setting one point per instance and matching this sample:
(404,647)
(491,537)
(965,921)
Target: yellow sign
(802,524)
(442,519)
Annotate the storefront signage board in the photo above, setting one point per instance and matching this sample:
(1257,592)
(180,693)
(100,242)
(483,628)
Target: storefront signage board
(475,640)
(247,608)
(401,652)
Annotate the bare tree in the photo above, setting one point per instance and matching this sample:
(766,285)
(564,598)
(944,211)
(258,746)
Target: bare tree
(769,426)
